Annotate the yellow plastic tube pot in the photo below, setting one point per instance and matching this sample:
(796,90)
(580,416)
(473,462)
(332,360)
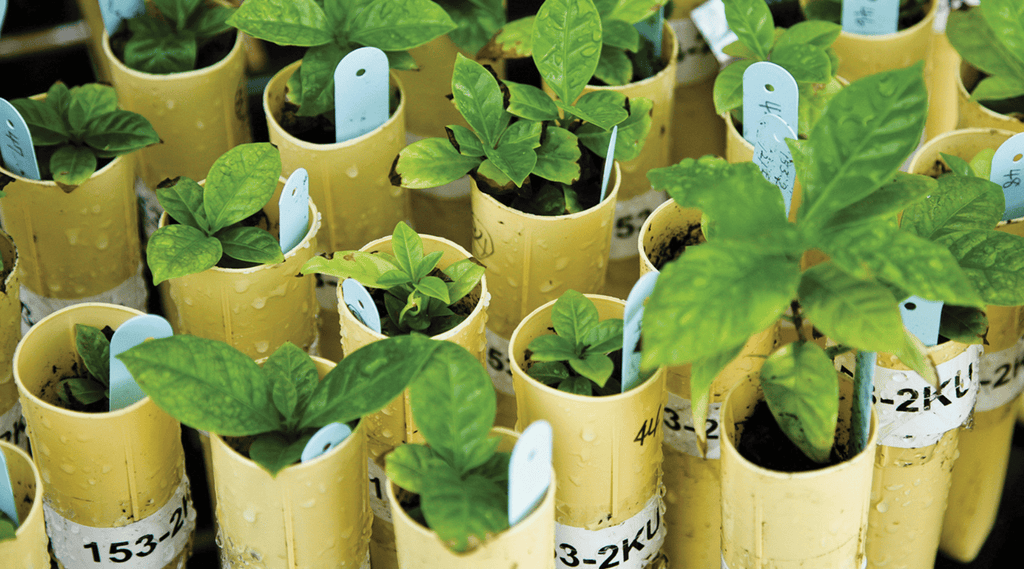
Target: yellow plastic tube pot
(313,514)
(28,550)
(257,309)
(696,130)
(790,520)
(530,260)
(607,454)
(81,246)
(12,425)
(101,470)
(972,113)
(199,114)
(943,68)
(963,143)
(527,544)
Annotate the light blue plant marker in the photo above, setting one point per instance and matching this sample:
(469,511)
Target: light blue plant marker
(631,320)
(871,17)
(16,147)
(608,162)
(1007,168)
(768,89)
(360,93)
(529,471)
(114,11)
(772,155)
(123,389)
(7,492)
(328,437)
(863,386)
(921,317)
(3,13)
(294,208)
(358,300)
(651,29)
(710,19)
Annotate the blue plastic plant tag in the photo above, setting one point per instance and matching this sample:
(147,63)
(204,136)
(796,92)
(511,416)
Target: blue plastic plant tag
(921,317)
(652,29)
(710,19)
(114,11)
(631,319)
(529,471)
(3,13)
(324,440)
(768,89)
(16,147)
(361,86)
(608,162)
(772,155)
(358,300)
(123,389)
(1006,171)
(294,207)
(7,505)
(870,17)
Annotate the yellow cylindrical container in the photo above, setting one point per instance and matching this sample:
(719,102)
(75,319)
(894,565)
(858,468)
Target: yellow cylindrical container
(28,550)
(12,425)
(942,70)
(107,475)
(607,454)
(527,544)
(530,260)
(963,143)
(789,520)
(81,246)
(696,130)
(312,514)
(254,310)
(972,113)
(199,114)
(917,447)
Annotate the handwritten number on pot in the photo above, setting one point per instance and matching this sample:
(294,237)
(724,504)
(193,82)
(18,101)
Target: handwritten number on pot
(648,429)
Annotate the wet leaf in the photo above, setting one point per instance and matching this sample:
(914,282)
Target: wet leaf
(567,45)
(397,25)
(284,22)
(366,268)
(603,109)
(853,312)
(516,154)
(558,156)
(94,349)
(959,203)
(479,99)
(457,507)
(802,391)
(614,67)
(993,261)
(465,276)
(411,466)
(752,22)
(184,203)
(240,183)
(573,316)
(431,162)
(250,244)
(529,102)
(179,250)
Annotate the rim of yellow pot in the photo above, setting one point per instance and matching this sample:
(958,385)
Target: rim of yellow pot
(288,71)
(120,65)
(966,97)
(37,497)
(926,20)
(299,466)
(52,184)
(613,191)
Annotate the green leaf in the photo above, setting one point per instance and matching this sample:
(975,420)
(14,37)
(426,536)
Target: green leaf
(633,11)
(179,250)
(401,60)
(981,164)
(959,203)
(958,165)
(603,108)
(429,163)
(240,183)
(156,47)
(812,32)
(426,265)
(397,25)
(453,402)
(974,40)
(802,391)
(119,132)
(393,278)
(857,313)
(605,337)
(902,192)
(548,373)
(728,90)
(465,141)
(72,165)
(284,22)
(408,247)
(479,99)
(752,22)
(993,261)
(184,203)
(85,390)
(274,451)
(457,507)
(410,466)
(250,244)
(465,276)
(177,11)
(291,366)
(515,155)
(367,379)
(620,34)
(433,287)
(573,316)
(46,126)
(212,21)
(595,367)
(205,384)
(702,375)
(1006,20)
(632,133)
(567,45)
(614,67)
(688,318)
(529,102)
(558,156)
(552,348)
(317,75)
(577,385)
(477,22)
(366,268)
(998,89)
(58,98)
(286,397)
(806,63)
(514,40)
(963,324)
(94,349)
(87,101)
(8,529)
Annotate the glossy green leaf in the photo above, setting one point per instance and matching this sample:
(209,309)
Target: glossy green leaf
(179,250)
(119,132)
(516,153)
(291,366)
(902,192)
(958,165)
(993,261)
(177,11)
(959,203)
(620,34)
(366,268)
(250,244)
(514,40)
(558,156)
(479,99)
(433,287)
(393,278)
(595,367)
(58,98)
(429,163)
(285,397)
(465,141)
(85,390)
(602,108)
(567,45)
(529,102)
(94,349)
(401,60)
(274,451)
(46,126)
(811,32)
(240,183)
(552,348)
(457,507)
(410,466)
(573,316)
(605,337)
(963,324)
(477,22)
(981,164)
(728,90)
(752,22)
(213,21)
(806,63)
(702,374)
(156,47)
(87,101)
(427,264)
(1006,19)
(407,246)
(632,135)
(633,11)
(997,89)
(465,276)
(814,98)
(72,165)
(614,67)
(979,45)
(284,22)
(184,203)
(548,373)
(802,391)
(577,385)
(397,25)
(853,312)
(317,75)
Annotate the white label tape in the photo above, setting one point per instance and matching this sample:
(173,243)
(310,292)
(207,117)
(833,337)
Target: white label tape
(498,364)
(150,543)
(327,292)
(695,61)
(150,209)
(131,293)
(1002,377)
(12,427)
(459,189)
(633,544)
(378,495)
(913,414)
(629,218)
(679,434)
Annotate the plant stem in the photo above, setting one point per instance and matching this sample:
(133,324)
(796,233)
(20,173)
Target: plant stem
(798,320)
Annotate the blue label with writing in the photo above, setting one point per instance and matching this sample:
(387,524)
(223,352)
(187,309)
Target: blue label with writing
(768,89)
(1007,165)
(16,148)
(871,17)
(773,157)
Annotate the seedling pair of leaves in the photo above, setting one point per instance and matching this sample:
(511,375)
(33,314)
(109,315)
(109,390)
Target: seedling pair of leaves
(77,127)
(575,358)
(210,228)
(619,41)
(414,299)
(168,39)
(534,154)
(804,50)
(708,302)
(991,38)
(477,21)
(333,28)
(911,11)
(93,385)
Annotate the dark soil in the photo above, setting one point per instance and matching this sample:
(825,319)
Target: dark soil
(938,169)
(411,504)
(670,250)
(210,52)
(763,443)
(77,370)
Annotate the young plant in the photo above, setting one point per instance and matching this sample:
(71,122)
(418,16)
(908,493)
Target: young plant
(93,385)
(990,37)
(708,302)
(620,42)
(333,28)
(911,11)
(534,154)
(168,37)
(209,385)
(211,224)
(73,129)
(477,21)
(575,358)
(414,299)
(461,480)
(804,50)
